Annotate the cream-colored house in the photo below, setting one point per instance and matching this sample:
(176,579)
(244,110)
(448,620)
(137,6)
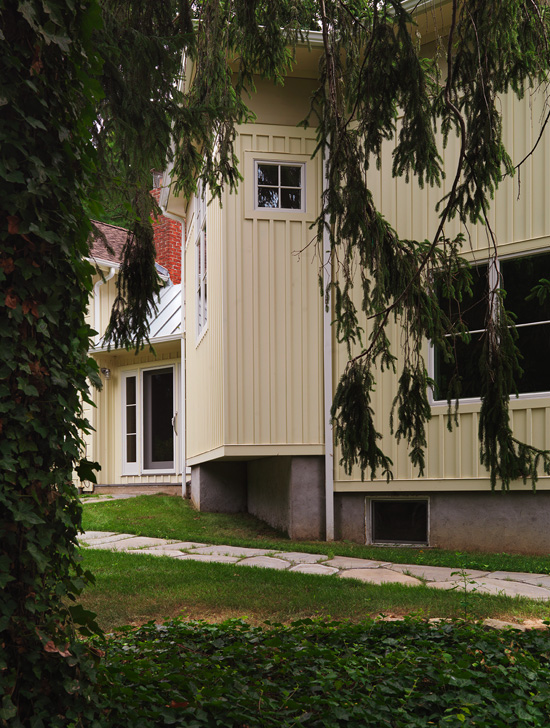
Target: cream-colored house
(138,418)
(262,363)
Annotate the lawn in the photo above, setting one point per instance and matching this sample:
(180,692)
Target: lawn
(135,588)
(175,518)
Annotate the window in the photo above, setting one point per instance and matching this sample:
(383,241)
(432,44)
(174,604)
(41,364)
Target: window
(279,186)
(399,521)
(148,421)
(201,298)
(517,276)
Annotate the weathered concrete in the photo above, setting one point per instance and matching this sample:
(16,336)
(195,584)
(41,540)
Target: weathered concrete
(219,487)
(515,522)
(350,562)
(288,493)
(319,569)
(380,576)
(240,551)
(265,562)
(437,573)
(349,517)
(301,558)
(493,521)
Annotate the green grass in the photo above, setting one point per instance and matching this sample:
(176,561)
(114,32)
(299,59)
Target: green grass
(174,518)
(135,588)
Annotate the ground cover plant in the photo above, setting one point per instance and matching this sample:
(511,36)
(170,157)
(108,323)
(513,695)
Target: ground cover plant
(135,588)
(326,675)
(175,518)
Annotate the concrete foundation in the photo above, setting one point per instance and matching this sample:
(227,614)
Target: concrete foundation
(219,487)
(464,521)
(288,493)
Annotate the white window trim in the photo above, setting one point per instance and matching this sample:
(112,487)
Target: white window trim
(279,164)
(138,468)
(311,180)
(127,467)
(201,279)
(494,272)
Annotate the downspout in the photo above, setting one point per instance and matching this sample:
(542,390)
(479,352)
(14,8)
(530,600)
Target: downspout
(97,286)
(327,369)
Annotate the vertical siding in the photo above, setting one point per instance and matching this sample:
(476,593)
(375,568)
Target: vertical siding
(520,216)
(273,324)
(107,445)
(204,357)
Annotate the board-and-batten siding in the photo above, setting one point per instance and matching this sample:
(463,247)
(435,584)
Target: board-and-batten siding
(520,217)
(204,356)
(106,418)
(274,323)
(271,319)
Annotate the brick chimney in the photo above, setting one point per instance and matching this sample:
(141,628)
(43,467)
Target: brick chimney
(167,237)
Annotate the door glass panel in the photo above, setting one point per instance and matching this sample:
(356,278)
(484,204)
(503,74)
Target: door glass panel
(158,411)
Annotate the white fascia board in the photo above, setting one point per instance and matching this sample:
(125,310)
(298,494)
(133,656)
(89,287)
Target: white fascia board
(102,263)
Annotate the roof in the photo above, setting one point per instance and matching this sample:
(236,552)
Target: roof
(166,323)
(115,237)
(168,319)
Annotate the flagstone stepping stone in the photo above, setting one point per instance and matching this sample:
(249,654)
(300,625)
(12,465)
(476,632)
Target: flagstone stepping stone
(232,551)
(314,569)
(298,557)
(350,562)
(436,573)
(93,535)
(134,543)
(107,541)
(177,546)
(535,579)
(266,562)
(209,558)
(380,576)
(495,586)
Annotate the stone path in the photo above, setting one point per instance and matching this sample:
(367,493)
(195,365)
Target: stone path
(534,586)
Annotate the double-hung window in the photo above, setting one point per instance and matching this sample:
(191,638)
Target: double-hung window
(148,420)
(518,276)
(280,186)
(201,291)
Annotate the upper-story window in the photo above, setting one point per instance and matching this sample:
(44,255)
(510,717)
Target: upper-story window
(201,298)
(518,276)
(280,186)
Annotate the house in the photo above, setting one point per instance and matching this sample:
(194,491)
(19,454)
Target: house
(138,419)
(262,362)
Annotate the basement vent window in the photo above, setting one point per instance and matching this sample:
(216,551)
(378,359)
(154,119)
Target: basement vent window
(399,521)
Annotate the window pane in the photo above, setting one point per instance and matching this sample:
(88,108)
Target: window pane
(157,424)
(519,275)
(467,361)
(291,176)
(268,174)
(130,390)
(268,197)
(291,199)
(131,419)
(534,345)
(403,521)
(131,449)
(472,309)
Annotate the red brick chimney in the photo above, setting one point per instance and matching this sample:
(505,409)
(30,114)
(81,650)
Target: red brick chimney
(167,237)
